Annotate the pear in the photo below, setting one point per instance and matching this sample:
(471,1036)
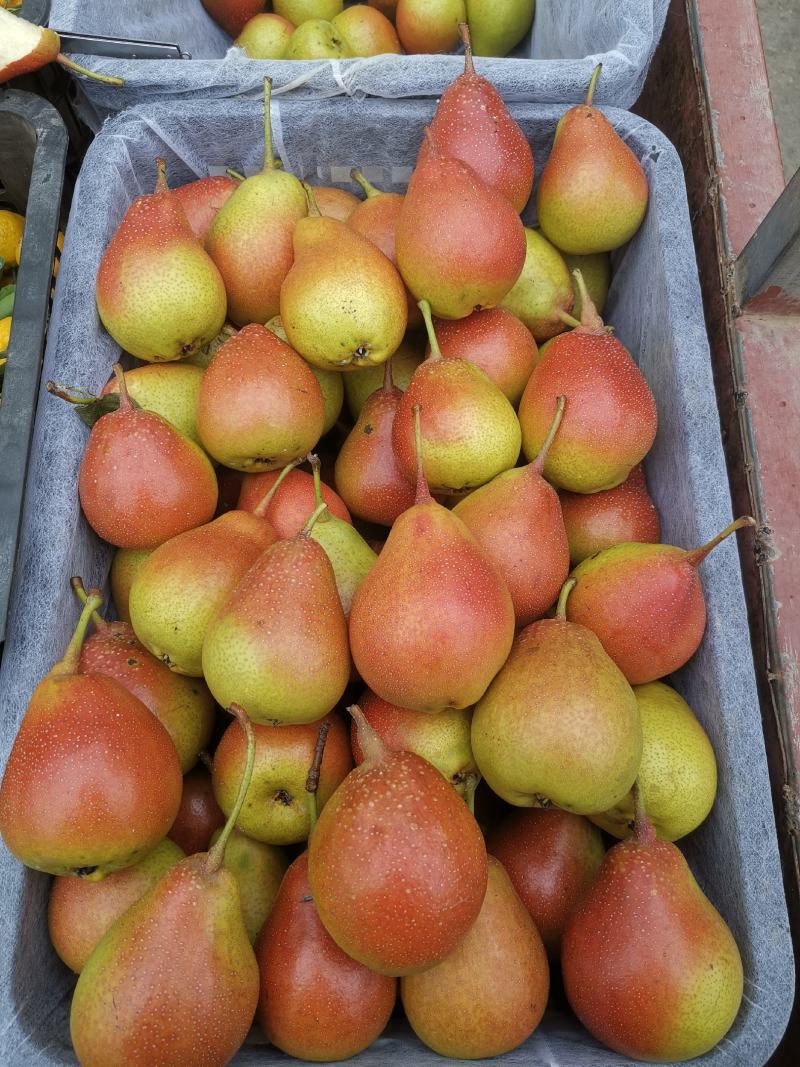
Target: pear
(299,11)
(179,588)
(376,219)
(366,32)
(443,740)
(259,870)
(497,26)
(367,474)
(460,244)
(500,968)
(316,39)
(359,387)
(396,863)
(175,979)
(433,622)
(646,604)
(646,935)
(678,773)
(543,289)
(316,1002)
(610,420)
(516,519)
(592,194)
(496,342)
(292,501)
(275,809)
(79,912)
(28,47)
(183,706)
(559,724)
(159,294)
(335,203)
(202,199)
(343,304)
(429,26)
(596,271)
(140,481)
(124,568)
(470,432)
(250,239)
(473,124)
(259,405)
(265,36)
(551,857)
(598,521)
(233,15)
(351,557)
(168,389)
(278,645)
(199,814)
(93,781)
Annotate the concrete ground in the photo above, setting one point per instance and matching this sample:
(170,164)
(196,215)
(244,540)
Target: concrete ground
(780,32)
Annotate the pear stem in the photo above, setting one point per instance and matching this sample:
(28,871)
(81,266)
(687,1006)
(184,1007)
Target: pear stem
(107,79)
(234,174)
(68,664)
(643,830)
(79,591)
(590,320)
(216,854)
(161,177)
(315,514)
(463,30)
(316,468)
(262,506)
(313,207)
(269,154)
(365,184)
(593,84)
(470,786)
(77,397)
(539,462)
(423,493)
(567,319)
(312,781)
(370,741)
(425,308)
(566,589)
(388,380)
(697,555)
(124,399)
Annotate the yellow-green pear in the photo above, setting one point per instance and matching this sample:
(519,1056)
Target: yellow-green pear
(299,11)
(169,389)
(559,724)
(357,387)
(678,773)
(543,290)
(265,36)
(596,272)
(124,568)
(497,26)
(259,869)
(316,39)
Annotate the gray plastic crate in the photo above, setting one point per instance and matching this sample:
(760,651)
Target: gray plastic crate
(655,306)
(553,64)
(33,148)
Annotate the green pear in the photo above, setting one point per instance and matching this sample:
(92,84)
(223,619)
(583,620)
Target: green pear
(559,724)
(265,36)
(497,26)
(678,773)
(330,381)
(596,272)
(169,389)
(357,387)
(316,39)
(542,290)
(351,557)
(259,869)
(298,11)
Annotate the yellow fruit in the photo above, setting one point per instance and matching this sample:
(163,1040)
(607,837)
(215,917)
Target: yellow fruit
(5,332)
(11,227)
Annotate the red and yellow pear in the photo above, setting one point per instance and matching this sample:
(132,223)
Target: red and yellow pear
(233,15)
(596,521)
(27,47)
(291,503)
(201,200)
(199,815)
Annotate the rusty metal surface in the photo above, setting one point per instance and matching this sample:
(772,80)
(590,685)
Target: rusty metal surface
(708,91)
